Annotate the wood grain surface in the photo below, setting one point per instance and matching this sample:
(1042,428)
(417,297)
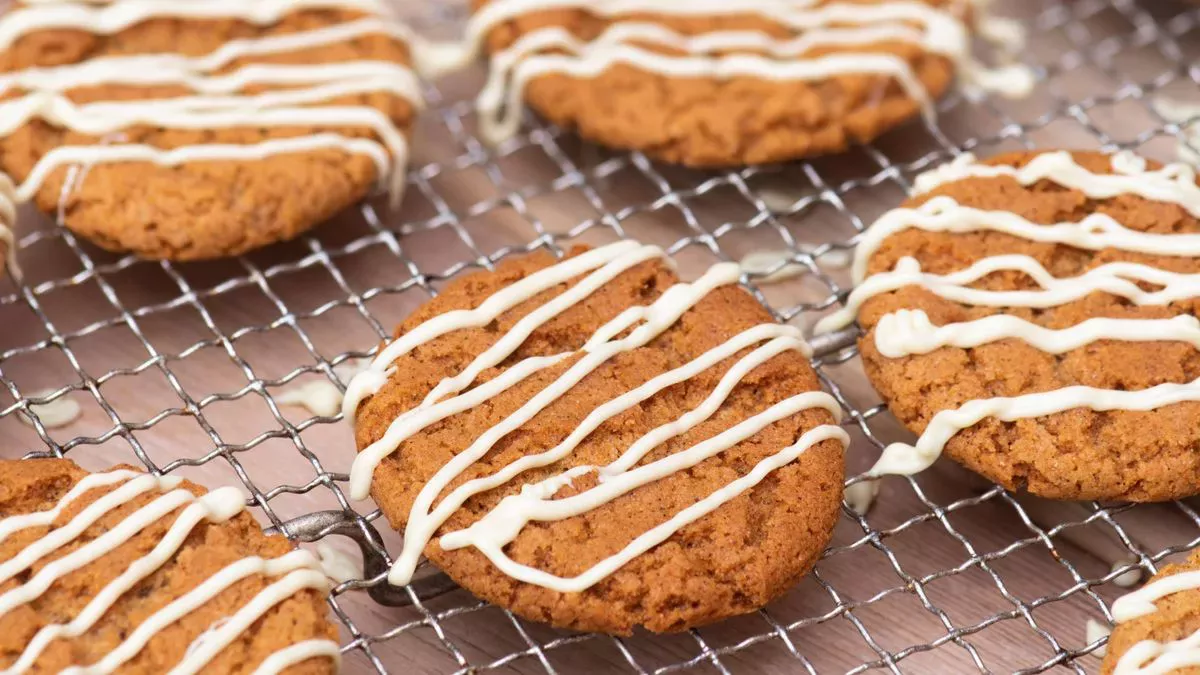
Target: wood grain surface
(176,365)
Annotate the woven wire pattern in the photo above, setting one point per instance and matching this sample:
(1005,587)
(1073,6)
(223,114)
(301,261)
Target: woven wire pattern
(177,367)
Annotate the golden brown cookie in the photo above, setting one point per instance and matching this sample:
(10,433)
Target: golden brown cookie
(95,567)
(705,86)
(731,559)
(1034,315)
(211,129)
(1172,619)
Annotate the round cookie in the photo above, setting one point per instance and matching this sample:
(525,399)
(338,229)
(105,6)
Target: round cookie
(1034,316)
(632,549)
(1158,626)
(712,84)
(210,129)
(107,569)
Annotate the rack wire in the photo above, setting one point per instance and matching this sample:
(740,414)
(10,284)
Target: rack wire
(177,367)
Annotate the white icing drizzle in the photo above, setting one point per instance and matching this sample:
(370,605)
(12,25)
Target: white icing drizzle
(299,652)
(217,506)
(501,525)
(133,69)
(216,103)
(1173,183)
(1120,279)
(116,16)
(300,568)
(92,481)
(905,459)
(368,382)
(756,54)
(656,318)
(1151,657)
(907,332)
(1095,232)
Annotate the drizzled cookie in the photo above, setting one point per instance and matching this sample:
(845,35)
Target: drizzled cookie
(714,83)
(595,444)
(188,130)
(122,570)
(1033,316)
(1158,625)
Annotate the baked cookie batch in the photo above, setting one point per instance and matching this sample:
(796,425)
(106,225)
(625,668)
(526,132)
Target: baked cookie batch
(123,570)
(591,442)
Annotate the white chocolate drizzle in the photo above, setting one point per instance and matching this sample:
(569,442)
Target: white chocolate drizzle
(906,332)
(909,331)
(368,382)
(1173,183)
(638,326)
(298,570)
(1120,279)
(1095,232)
(905,459)
(297,99)
(1151,657)
(852,29)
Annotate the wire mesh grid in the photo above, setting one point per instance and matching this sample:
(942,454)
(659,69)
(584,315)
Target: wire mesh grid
(178,367)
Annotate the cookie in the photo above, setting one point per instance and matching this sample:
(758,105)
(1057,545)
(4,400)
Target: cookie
(123,569)
(208,129)
(713,84)
(1034,317)
(595,445)
(1158,625)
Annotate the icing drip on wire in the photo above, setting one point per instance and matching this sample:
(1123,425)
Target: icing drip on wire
(215,102)
(771,266)
(501,525)
(907,332)
(297,570)
(556,50)
(1151,657)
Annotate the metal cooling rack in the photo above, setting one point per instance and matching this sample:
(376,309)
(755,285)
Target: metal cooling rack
(177,367)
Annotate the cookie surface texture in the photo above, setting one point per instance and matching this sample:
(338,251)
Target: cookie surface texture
(207,129)
(106,570)
(712,84)
(606,534)
(1034,316)
(1158,626)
